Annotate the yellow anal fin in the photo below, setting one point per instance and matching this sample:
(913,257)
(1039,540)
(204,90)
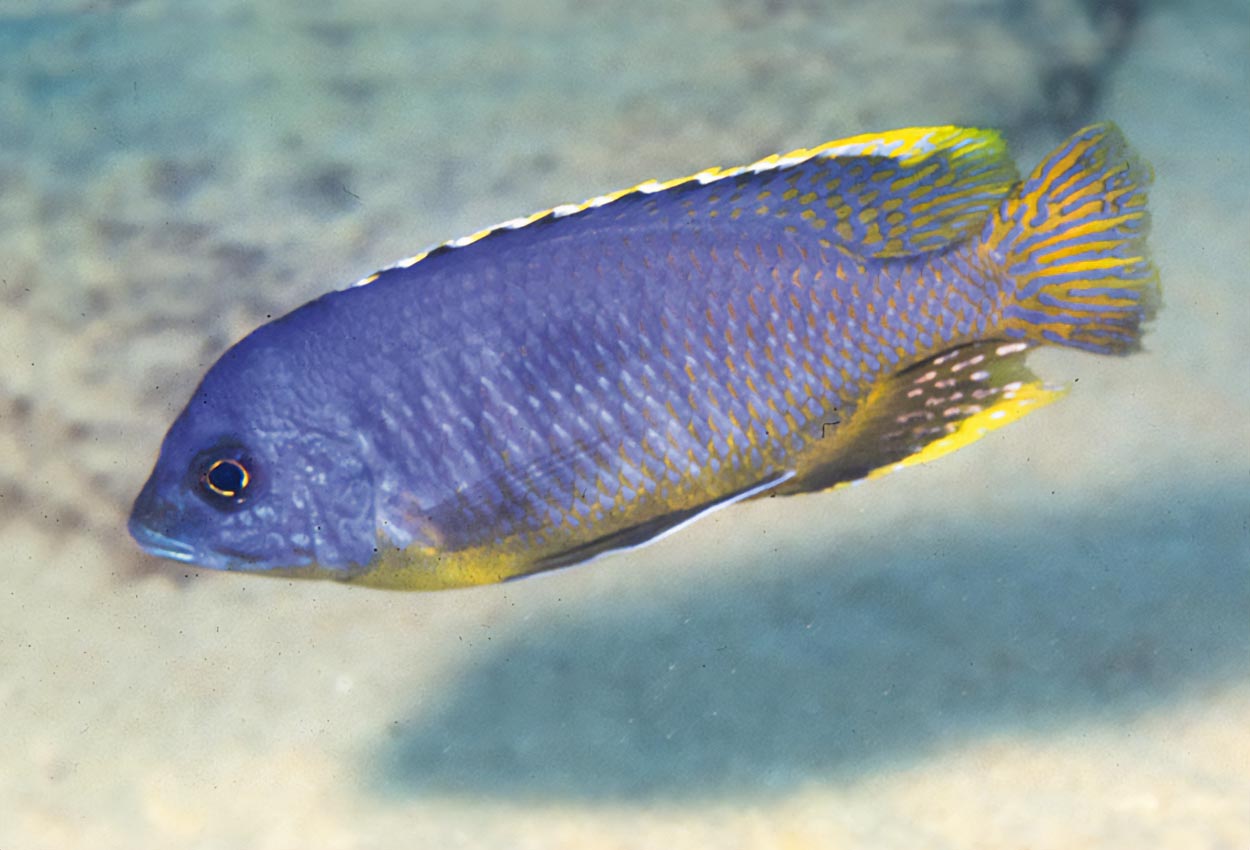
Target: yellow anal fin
(928,410)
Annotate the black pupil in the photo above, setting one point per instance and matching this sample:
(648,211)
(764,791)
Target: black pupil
(227,477)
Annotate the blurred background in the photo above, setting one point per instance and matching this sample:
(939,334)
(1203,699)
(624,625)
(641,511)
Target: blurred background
(1042,641)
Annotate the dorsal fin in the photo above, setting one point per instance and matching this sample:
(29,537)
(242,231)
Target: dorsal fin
(892,194)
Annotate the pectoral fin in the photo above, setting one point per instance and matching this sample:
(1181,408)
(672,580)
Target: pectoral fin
(650,531)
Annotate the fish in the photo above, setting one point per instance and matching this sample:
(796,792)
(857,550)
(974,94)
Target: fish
(592,377)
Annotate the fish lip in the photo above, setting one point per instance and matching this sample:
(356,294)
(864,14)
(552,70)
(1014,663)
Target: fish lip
(162,545)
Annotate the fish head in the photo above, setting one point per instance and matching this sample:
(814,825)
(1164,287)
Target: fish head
(261,472)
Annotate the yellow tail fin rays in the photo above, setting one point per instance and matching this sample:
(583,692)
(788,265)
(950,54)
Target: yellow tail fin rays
(1074,238)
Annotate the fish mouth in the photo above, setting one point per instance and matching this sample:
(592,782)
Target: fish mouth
(162,545)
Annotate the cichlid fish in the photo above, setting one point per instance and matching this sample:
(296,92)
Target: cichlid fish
(590,377)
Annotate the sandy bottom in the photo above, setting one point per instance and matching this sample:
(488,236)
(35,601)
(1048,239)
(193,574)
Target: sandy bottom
(1040,642)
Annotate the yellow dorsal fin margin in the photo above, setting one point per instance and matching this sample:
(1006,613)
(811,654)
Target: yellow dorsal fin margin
(942,181)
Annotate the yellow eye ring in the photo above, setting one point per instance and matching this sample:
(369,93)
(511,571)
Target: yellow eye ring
(226,477)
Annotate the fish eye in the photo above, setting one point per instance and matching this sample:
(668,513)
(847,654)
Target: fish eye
(226,477)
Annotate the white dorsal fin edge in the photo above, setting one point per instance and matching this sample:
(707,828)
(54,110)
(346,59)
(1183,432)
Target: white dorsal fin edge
(901,144)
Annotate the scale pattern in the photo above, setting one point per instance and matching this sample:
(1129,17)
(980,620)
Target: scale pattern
(586,374)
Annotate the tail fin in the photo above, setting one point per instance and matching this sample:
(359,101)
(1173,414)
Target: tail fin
(1072,241)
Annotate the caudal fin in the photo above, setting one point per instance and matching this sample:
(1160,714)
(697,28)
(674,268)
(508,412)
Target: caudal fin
(1072,242)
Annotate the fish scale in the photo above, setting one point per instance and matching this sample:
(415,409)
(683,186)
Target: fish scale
(679,333)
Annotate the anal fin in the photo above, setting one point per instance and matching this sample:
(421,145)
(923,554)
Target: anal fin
(925,411)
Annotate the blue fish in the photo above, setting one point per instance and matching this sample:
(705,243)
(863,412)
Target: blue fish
(585,379)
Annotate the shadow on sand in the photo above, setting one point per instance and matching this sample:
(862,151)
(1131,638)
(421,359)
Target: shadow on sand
(751,685)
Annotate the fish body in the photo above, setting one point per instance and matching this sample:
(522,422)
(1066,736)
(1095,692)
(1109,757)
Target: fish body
(588,378)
